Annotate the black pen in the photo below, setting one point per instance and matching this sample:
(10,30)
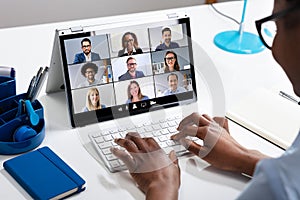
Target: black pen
(289,97)
(39,84)
(38,76)
(30,88)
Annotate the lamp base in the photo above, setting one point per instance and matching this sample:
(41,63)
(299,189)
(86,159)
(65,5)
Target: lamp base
(244,43)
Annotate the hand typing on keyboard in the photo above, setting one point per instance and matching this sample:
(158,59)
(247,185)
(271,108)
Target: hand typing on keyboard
(157,174)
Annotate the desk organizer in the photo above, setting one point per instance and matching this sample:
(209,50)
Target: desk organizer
(7,87)
(10,122)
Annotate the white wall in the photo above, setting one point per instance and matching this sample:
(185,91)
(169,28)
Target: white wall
(29,12)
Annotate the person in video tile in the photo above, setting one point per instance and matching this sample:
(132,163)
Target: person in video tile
(134,93)
(173,85)
(87,55)
(130,45)
(171,62)
(131,72)
(167,43)
(89,70)
(93,100)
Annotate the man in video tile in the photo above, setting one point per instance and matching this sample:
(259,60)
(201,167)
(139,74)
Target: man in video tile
(131,72)
(87,55)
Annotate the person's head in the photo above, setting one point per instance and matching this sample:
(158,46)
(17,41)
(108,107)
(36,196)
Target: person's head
(86,46)
(171,61)
(129,41)
(89,70)
(166,35)
(131,64)
(285,46)
(93,99)
(134,90)
(172,81)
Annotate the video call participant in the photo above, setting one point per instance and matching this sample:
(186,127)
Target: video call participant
(167,43)
(173,85)
(130,45)
(134,93)
(89,70)
(171,62)
(131,72)
(87,55)
(93,100)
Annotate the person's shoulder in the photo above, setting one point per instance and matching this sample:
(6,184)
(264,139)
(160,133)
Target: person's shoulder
(159,47)
(83,84)
(138,50)
(145,97)
(121,52)
(128,101)
(174,44)
(122,77)
(95,55)
(167,91)
(181,89)
(139,73)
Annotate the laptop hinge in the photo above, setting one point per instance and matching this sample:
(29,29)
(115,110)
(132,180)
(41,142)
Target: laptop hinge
(172,15)
(76,29)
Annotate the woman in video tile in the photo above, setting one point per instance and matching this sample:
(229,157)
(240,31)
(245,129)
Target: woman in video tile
(130,45)
(171,62)
(134,93)
(93,100)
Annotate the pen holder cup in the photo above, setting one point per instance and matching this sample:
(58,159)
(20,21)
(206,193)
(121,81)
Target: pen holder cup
(10,122)
(7,87)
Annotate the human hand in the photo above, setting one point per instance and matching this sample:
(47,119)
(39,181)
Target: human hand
(156,174)
(219,148)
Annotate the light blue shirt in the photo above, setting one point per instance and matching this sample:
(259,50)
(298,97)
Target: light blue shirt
(178,90)
(276,178)
(87,83)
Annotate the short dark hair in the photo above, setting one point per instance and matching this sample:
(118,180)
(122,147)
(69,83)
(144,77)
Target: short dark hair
(172,74)
(89,65)
(166,29)
(130,58)
(85,40)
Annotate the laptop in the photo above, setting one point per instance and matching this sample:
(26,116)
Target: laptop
(115,90)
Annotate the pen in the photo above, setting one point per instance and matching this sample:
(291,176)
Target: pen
(289,97)
(39,84)
(38,76)
(30,88)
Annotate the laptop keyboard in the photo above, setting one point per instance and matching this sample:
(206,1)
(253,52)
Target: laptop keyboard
(160,131)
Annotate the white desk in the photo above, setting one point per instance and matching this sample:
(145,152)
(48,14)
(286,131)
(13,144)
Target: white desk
(27,48)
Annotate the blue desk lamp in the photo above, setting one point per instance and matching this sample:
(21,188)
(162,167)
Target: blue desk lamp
(240,42)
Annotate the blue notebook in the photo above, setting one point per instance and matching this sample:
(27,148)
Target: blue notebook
(44,175)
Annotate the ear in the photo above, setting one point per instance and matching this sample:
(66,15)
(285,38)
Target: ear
(23,133)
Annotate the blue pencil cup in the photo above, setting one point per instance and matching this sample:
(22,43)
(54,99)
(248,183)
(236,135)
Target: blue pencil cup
(10,121)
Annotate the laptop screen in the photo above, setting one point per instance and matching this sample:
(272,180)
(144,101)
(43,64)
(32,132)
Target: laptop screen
(114,71)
